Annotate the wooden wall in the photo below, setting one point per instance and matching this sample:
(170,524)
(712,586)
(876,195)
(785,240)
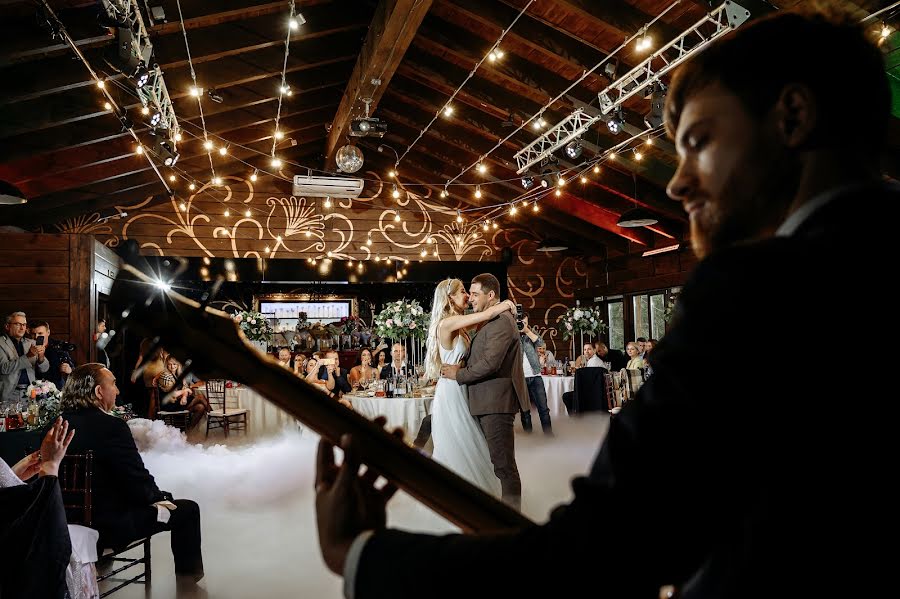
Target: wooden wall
(634,274)
(280,226)
(48,276)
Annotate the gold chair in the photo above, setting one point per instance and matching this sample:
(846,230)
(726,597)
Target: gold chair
(221,416)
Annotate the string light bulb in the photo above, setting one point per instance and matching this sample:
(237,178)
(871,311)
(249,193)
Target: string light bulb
(172,178)
(293,24)
(612,155)
(107,105)
(495,225)
(279,134)
(145,110)
(392,173)
(196,91)
(217,181)
(208,145)
(596,169)
(328,202)
(535,208)
(448,110)
(369,242)
(459,217)
(227,212)
(308,233)
(183,207)
(444,193)
(254,176)
(101,84)
(478,191)
(644,43)
(482,168)
(584,180)
(247,214)
(434,253)
(513,210)
(638,156)
(558,193)
(397,218)
(561,182)
(396,193)
(267,250)
(276,162)
(192,187)
(485,226)
(178,137)
(284,89)
(423,253)
(223,150)
(139,150)
(649,141)
(885,31)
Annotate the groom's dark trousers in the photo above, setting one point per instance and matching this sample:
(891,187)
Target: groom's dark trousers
(495,383)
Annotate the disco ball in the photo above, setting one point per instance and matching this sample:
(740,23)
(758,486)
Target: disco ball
(349,159)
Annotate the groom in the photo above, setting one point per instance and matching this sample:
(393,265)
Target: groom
(495,383)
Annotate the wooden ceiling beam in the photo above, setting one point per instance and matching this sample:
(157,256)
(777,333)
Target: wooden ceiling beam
(85,133)
(393,28)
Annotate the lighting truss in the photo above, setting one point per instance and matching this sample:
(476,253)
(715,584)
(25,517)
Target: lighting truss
(136,49)
(720,21)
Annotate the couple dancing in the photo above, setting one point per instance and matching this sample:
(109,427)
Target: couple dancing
(474,405)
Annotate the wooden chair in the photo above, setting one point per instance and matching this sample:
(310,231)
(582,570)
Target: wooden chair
(221,416)
(180,419)
(75,472)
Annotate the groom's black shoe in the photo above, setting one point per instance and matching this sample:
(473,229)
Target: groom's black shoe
(526,420)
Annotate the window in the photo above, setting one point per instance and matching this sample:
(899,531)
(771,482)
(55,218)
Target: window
(657,316)
(616,325)
(640,305)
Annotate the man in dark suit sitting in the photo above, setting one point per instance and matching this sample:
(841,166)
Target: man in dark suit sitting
(397,366)
(127,504)
(722,481)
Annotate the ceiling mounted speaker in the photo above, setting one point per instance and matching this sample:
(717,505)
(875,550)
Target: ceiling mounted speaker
(10,194)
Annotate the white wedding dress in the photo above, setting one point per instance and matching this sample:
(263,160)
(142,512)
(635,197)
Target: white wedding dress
(458,441)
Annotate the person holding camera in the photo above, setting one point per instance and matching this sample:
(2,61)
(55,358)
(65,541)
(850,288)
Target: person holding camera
(531,364)
(21,359)
(58,354)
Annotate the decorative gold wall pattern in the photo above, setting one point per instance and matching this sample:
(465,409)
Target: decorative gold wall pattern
(281,226)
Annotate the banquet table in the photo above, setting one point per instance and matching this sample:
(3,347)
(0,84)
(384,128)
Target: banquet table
(405,412)
(264,418)
(555,387)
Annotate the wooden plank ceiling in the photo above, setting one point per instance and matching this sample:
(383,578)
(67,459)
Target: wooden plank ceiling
(70,156)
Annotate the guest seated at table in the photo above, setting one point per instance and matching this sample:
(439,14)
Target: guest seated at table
(610,359)
(149,373)
(363,372)
(127,504)
(300,365)
(341,384)
(185,398)
(634,354)
(545,356)
(284,358)
(398,365)
(34,538)
(587,352)
(312,374)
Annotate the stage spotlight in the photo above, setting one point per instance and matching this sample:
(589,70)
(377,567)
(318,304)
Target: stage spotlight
(656,116)
(616,122)
(155,119)
(574,149)
(527,182)
(141,76)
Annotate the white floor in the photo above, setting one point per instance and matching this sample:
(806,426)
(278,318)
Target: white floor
(256,498)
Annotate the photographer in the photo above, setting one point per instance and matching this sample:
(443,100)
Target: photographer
(531,364)
(58,354)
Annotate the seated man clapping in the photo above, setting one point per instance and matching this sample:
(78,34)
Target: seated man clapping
(127,503)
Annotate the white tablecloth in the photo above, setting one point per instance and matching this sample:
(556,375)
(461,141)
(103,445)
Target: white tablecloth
(264,418)
(555,387)
(405,412)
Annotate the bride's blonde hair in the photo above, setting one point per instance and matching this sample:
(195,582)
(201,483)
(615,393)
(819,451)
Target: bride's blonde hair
(441,307)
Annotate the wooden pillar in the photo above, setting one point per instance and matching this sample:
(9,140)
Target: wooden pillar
(82,297)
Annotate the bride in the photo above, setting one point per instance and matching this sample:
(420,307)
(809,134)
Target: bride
(459,443)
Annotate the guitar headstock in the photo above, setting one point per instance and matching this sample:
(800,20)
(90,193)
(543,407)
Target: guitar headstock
(187,329)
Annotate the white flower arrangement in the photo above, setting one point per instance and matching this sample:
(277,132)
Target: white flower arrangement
(254,325)
(588,321)
(402,319)
(45,407)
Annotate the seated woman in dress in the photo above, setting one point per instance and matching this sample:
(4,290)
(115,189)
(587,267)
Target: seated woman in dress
(312,372)
(635,360)
(363,372)
(383,358)
(300,365)
(124,493)
(184,398)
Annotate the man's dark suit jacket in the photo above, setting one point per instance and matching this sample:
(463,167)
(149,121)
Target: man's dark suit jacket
(617,359)
(756,482)
(387,371)
(122,486)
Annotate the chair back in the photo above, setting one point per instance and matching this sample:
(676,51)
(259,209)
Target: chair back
(215,393)
(589,391)
(75,472)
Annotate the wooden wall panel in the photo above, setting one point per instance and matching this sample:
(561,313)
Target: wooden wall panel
(545,284)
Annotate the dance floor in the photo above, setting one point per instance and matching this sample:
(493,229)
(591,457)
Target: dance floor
(256,498)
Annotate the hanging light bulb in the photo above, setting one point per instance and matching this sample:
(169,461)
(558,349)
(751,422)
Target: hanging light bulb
(183,207)
(279,135)
(284,89)
(172,178)
(434,253)
(247,214)
(101,84)
(328,202)
(499,53)
(431,240)
(396,193)
(308,233)
(139,150)
(278,238)
(561,182)
(208,145)
(369,241)
(596,169)
(492,56)
(227,212)
(276,162)
(405,262)
(217,181)
(196,91)
(293,24)
(223,150)
(267,250)
(638,156)
(107,105)
(478,191)
(535,208)
(145,110)
(513,210)
(253,177)
(459,217)
(612,155)
(485,226)
(392,173)
(495,225)
(444,193)
(397,218)
(536,124)
(178,137)
(350,263)
(558,193)
(542,122)
(192,187)
(482,168)
(377,258)
(649,141)
(584,179)
(423,253)
(885,31)
(448,110)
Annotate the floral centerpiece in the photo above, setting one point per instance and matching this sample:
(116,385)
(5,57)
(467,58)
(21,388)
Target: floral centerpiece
(254,325)
(587,321)
(43,408)
(402,319)
(350,324)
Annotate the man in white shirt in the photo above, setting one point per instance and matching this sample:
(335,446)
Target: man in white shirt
(398,363)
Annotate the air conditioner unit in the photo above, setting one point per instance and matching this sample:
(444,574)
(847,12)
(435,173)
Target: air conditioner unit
(335,187)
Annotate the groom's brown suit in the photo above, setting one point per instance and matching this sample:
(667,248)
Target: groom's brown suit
(496,388)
